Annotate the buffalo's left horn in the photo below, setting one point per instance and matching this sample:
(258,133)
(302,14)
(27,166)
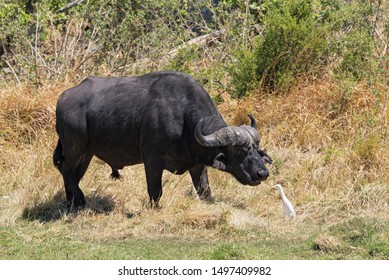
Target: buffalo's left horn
(226,136)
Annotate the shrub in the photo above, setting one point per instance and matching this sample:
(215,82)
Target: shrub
(305,38)
(352,39)
(292,44)
(101,37)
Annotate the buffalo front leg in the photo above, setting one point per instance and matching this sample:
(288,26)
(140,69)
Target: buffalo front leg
(154,170)
(199,175)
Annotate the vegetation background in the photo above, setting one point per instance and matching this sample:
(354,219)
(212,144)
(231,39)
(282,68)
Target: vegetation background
(313,72)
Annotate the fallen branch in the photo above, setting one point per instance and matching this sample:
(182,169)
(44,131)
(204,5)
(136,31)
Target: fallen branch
(200,41)
(69,6)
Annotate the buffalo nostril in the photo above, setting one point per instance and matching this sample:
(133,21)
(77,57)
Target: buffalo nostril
(263,174)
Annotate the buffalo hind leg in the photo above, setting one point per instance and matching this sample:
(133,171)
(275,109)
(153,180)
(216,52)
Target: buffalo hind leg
(74,196)
(199,175)
(83,166)
(154,169)
(73,169)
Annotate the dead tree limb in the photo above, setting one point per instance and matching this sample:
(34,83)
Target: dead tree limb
(200,41)
(69,6)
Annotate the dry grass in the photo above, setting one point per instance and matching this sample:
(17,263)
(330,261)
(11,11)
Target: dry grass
(329,149)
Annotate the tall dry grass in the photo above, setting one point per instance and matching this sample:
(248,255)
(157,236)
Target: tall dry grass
(329,144)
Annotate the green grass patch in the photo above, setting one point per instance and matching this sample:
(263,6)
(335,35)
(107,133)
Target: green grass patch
(354,239)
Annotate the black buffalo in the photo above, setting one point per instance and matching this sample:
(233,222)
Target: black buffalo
(165,120)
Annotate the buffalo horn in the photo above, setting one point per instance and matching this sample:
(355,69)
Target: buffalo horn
(226,136)
(253,121)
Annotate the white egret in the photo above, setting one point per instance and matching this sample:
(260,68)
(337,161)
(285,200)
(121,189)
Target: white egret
(287,206)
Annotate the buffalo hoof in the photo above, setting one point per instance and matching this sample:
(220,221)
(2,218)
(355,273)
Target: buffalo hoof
(74,207)
(205,195)
(207,198)
(154,205)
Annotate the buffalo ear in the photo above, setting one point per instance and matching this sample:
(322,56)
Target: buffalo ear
(219,162)
(265,157)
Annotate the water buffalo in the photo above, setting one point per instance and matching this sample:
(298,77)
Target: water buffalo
(165,120)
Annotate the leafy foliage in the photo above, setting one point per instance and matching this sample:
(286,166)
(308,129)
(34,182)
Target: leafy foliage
(266,46)
(307,38)
(115,37)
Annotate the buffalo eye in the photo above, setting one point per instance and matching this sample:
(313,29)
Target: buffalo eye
(265,156)
(242,152)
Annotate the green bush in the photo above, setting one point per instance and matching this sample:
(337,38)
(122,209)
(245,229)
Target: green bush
(305,38)
(292,44)
(266,45)
(96,37)
(352,39)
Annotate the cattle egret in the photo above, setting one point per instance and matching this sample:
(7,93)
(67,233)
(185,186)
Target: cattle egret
(287,206)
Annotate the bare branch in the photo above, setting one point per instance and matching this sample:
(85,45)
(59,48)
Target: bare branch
(200,41)
(69,6)
(13,72)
